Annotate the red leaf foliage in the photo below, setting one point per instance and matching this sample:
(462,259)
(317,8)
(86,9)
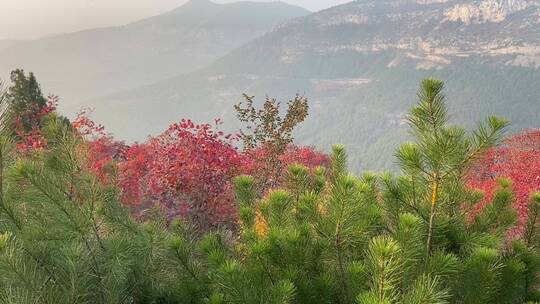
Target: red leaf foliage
(188,171)
(101,150)
(517,159)
(27,126)
(86,126)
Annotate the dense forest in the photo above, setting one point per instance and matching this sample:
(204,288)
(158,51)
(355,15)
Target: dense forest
(196,215)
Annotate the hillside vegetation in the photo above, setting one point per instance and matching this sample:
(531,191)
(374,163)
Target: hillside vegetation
(187,217)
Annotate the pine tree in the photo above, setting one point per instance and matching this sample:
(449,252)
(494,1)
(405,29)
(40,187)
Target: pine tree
(25,90)
(65,237)
(407,239)
(268,133)
(25,98)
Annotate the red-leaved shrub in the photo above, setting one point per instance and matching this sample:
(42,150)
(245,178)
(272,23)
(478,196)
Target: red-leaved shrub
(517,159)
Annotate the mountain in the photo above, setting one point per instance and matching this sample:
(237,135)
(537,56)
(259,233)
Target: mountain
(81,65)
(360,65)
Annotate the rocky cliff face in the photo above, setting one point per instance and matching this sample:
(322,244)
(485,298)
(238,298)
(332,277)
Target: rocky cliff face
(486,11)
(430,33)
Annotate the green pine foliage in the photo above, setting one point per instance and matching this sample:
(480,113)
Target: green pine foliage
(25,90)
(65,238)
(325,237)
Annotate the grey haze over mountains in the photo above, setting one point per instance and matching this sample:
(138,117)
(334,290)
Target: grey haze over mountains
(5,43)
(359,63)
(32,19)
(97,62)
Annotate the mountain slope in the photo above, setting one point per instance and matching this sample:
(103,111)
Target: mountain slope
(97,62)
(360,64)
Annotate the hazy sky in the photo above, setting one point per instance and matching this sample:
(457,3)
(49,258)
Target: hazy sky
(24,19)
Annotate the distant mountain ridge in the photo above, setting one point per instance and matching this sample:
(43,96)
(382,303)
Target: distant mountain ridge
(427,33)
(360,64)
(97,62)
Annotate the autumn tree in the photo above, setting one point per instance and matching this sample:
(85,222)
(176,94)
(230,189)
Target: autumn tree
(104,152)
(187,171)
(268,133)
